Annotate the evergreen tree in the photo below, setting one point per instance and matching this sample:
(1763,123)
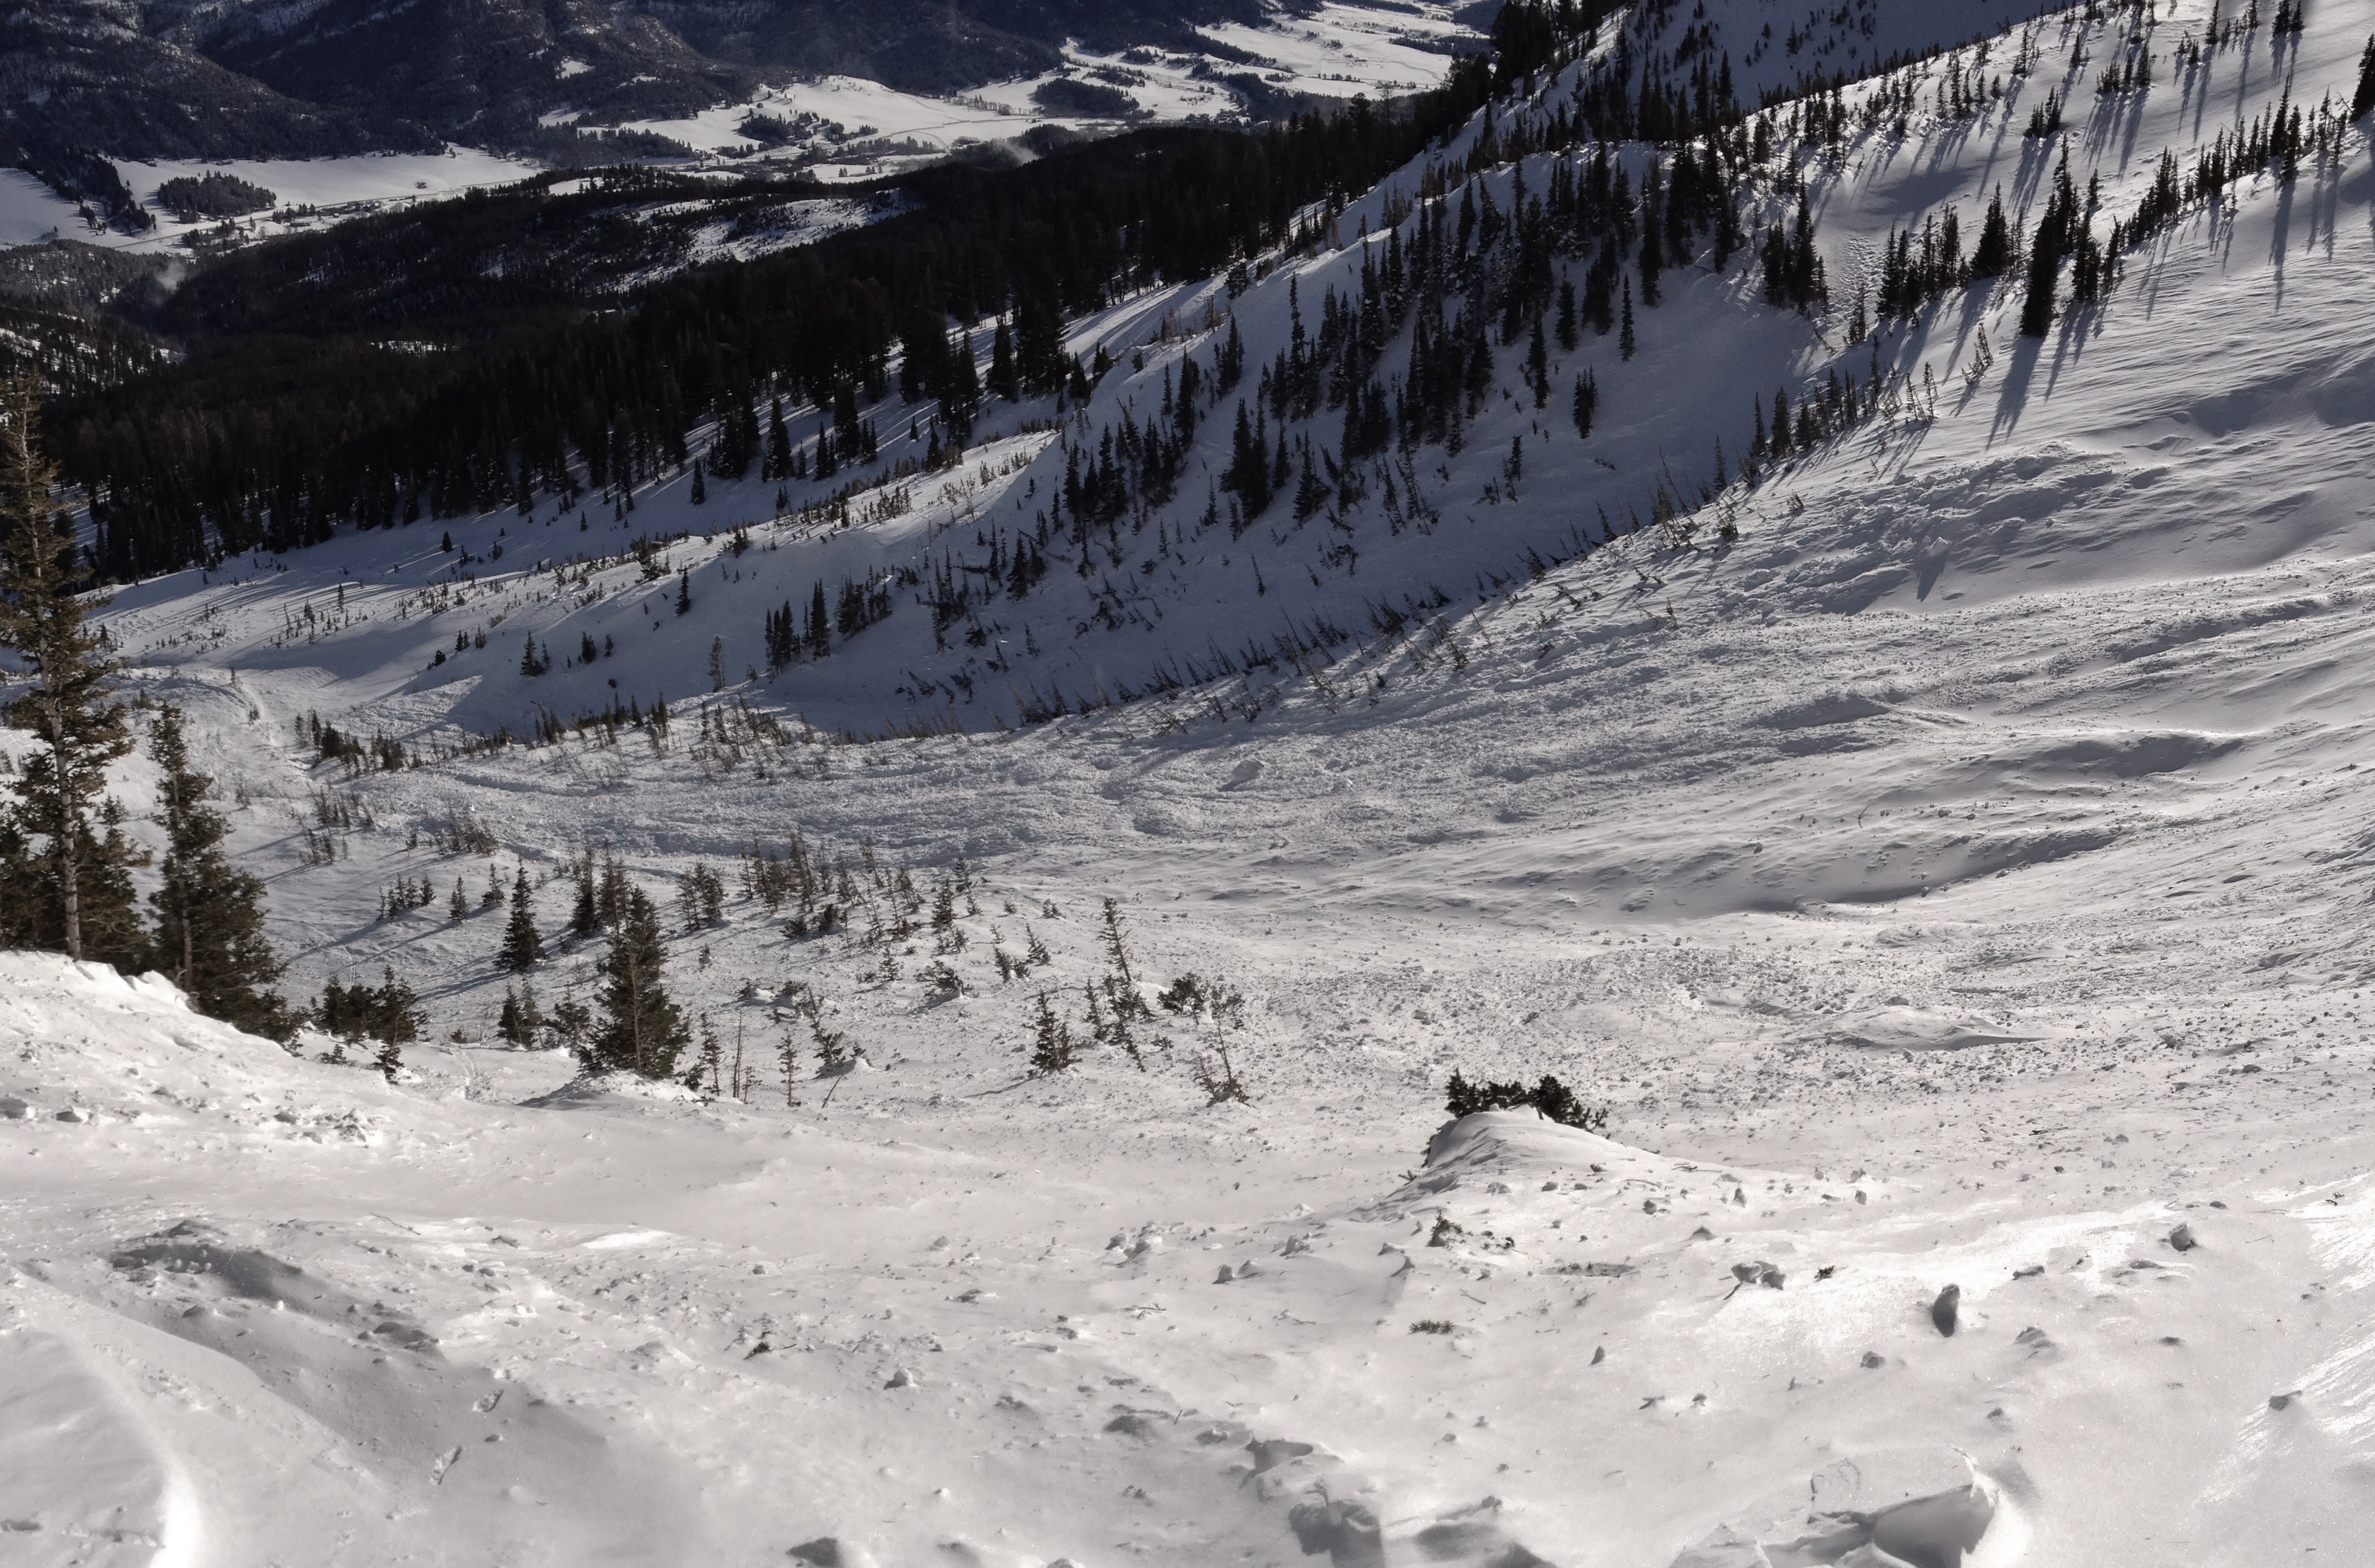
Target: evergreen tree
(1003,380)
(571,1024)
(708,1064)
(1587,402)
(73,893)
(1625,344)
(2362,103)
(1248,470)
(1051,1047)
(640,1031)
(1538,367)
(584,920)
(209,915)
(700,489)
(778,464)
(522,948)
(2044,267)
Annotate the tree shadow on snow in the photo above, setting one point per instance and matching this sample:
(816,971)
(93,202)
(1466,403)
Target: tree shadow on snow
(2020,370)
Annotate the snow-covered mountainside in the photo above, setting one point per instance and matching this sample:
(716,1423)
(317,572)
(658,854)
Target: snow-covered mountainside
(1935,837)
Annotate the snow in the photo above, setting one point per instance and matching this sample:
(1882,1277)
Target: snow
(1332,50)
(1957,879)
(1335,50)
(342,187)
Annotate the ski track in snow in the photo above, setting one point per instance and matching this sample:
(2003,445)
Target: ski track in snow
(1959,879)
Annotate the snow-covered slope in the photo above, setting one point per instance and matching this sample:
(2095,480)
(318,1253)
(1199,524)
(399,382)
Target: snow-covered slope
(1167,597)
(1955,876)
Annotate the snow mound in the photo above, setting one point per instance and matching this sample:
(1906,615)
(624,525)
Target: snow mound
(1920,1507)
(91,1045)
(618,1087)
(1529,1142)
(1902,1028)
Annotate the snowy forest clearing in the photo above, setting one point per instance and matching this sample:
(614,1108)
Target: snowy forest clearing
(1944,859)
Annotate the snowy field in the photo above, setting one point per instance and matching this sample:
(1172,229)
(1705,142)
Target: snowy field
(1956,884)
(1334,51)
(31,213)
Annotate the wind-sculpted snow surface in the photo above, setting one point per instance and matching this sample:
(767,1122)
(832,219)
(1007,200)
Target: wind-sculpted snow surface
(927,1325)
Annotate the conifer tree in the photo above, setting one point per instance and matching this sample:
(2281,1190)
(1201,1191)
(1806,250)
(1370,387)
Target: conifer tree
(584,919)
(1587,402)
(2362,103)
(73,893)
(1003,380)
(520,1019)
(1051,1048)
(1994,253)
(1624,344)
(2044,267)
(1538,367)
(523,949)
(778,464)
(708,1063)
(209,915)
(640,1031)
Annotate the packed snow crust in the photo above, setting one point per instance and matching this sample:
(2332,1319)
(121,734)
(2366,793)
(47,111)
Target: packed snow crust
(1956,886)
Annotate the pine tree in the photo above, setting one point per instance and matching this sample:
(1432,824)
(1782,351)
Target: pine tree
(73,893)
(584,920)
(778,464)
(1051,1049)
(459,907)
(1587,402)
(2044,267)
(523,949)
(708,1064)
(571,1024)
(209,915)
(1625,344)
(684,591)
(1538,367)
(2362,103)
(1992,257)
(1003,380)
(700,490)
(521,1019)
(641,1030)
